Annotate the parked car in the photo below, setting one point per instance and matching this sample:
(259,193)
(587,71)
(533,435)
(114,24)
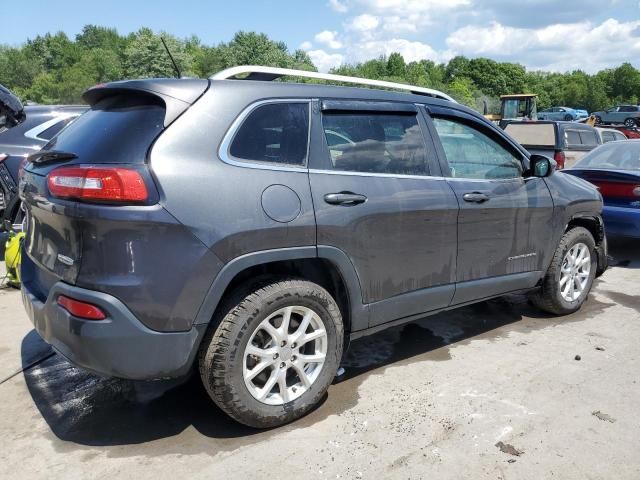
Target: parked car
(615,169)
(212,222)
(629,115)
(38,125)
(610,135)
(565,142)
(581,113)
(558,113)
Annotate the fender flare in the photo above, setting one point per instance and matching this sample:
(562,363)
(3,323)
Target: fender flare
(358,311)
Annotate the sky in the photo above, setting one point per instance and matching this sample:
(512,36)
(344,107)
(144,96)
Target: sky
(547,35)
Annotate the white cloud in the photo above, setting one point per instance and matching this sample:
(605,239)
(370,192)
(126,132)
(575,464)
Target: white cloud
(364,23)
(338,6)
(325,61)
(410,50)
(328,38)
(559,47)
(306,45)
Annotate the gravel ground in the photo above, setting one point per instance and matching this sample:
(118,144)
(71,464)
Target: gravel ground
(495,391)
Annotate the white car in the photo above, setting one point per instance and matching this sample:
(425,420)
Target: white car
(610,134)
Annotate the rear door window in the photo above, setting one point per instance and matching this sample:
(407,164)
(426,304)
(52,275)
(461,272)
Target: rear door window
(274,133)
(375,143)
(472,154)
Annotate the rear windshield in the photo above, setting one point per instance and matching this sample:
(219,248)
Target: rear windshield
(117,129)
(539,134)
(619,156)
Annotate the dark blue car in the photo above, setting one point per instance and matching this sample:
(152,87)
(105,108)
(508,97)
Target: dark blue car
(615,169)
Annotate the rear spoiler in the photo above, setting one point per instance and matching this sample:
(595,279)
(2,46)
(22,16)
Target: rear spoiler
(177,94)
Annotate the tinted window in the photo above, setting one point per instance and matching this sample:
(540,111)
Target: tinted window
(588,138)
(379,143)
(472,154)
(275,133)
(629,108)
(573,137)
(118,129)
(54,129)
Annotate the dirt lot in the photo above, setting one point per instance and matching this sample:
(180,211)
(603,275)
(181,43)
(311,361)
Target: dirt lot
(489,391)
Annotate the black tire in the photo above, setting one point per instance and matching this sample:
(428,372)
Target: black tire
(598,120)
(221,355)
(549,297)
(630,123)
(568,117)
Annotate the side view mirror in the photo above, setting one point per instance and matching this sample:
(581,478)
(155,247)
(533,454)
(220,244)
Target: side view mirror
(541,166)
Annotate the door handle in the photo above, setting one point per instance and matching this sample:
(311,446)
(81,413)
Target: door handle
(344,198)
(475,197)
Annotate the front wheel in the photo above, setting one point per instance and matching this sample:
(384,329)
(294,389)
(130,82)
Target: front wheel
(570,276)
(274,353)
(598,120)
(568,117)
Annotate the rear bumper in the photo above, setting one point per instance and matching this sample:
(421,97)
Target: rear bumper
(119,346)
(621,221)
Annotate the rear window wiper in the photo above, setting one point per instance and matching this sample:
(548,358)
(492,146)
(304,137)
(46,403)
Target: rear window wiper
(48,156)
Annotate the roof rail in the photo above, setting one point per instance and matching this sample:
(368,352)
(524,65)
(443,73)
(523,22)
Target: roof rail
(256,72)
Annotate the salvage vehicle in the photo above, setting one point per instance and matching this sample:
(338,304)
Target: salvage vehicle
(253,227)
(565,142)
(615,169)
(628,115)
(558,113)
(38,125)
(610,135)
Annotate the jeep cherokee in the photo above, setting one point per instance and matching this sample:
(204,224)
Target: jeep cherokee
(252,228)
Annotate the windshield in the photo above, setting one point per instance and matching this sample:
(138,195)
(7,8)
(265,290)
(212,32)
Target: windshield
(624,155)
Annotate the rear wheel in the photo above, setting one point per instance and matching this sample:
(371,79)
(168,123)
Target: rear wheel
(630,122)
(598,120)
(568,117)
(274,353)
(570,276)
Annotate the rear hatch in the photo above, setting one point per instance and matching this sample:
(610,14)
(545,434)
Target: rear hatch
(99,161)
(539,138)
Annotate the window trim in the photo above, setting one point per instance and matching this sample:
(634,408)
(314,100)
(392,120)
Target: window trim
(224,151)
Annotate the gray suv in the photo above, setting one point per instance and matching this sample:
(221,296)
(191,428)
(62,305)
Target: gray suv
(252,228)
(629,115)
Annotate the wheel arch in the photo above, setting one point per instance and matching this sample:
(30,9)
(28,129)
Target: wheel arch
(595,225)
(327,266)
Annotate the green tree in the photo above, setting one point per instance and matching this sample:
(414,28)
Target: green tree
(145,56)
(396,66)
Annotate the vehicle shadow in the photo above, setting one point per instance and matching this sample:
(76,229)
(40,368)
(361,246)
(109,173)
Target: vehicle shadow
(89,410)
(624,252)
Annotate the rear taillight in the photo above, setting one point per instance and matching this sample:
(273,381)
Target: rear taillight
(618,190)
(80,309)
(559,158)
(109,184)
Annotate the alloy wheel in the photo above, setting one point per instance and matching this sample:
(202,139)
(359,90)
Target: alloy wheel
(285,355)
(575,271)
